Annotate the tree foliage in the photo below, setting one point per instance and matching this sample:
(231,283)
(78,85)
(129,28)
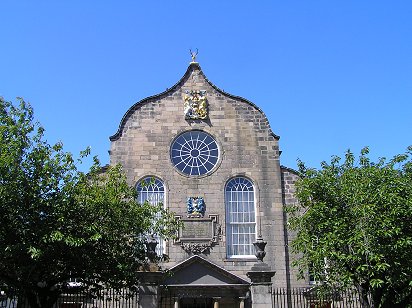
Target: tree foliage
(59,223)
(353,226)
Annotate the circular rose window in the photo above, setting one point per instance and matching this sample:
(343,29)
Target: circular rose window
(194,153)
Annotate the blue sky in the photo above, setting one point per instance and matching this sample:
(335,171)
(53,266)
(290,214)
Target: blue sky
(330,75)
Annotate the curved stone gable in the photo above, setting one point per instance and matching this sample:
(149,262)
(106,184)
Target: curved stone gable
(176,93)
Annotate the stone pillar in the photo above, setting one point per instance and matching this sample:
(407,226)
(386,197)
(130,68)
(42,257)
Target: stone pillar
(150,277)
(149,290)
(261,287)
(216,302)
(242,302)
(261,278)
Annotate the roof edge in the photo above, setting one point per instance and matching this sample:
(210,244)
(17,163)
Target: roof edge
(241,99)
(145,100)
(282,167)
(195,258)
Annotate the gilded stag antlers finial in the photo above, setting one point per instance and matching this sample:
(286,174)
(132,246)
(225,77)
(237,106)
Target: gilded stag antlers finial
(193,55)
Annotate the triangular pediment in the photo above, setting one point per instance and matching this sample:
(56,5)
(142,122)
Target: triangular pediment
(199,271)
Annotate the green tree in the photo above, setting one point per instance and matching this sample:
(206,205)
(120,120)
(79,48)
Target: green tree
(353,225)
(58,223)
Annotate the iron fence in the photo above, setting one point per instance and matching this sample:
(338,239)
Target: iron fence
(106,298)
(315,298)
(125,298)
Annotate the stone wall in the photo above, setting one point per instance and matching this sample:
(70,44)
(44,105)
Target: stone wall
(289,178)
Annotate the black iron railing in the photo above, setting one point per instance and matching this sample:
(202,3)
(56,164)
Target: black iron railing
(315,298)
(125,298)
(106,298)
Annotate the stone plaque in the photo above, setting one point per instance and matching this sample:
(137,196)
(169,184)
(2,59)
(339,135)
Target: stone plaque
(198,235)
(197,229)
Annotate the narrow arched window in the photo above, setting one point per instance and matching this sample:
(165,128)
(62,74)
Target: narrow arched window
(240,218)
(152,190)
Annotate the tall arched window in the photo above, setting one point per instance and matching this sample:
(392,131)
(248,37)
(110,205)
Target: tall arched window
(240,218)
(152,190)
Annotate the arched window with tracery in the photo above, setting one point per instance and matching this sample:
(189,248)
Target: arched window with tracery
(240,218)
(152,190)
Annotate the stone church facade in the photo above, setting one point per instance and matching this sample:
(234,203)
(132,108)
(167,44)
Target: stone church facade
(213,159)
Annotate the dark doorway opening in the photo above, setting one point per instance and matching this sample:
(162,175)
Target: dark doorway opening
(196,303)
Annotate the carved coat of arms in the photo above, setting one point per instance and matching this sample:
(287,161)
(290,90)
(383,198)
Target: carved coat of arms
(195,106)
(196,207)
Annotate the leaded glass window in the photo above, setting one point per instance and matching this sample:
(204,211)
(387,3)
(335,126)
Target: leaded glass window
(240,218)
(152,190)
(194,153)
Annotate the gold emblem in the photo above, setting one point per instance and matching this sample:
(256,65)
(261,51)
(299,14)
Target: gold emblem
(195,105)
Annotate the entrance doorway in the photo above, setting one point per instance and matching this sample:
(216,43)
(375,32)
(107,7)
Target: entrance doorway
(196,303)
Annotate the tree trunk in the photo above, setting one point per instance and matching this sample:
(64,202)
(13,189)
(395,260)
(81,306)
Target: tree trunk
(377,297)
(364,296)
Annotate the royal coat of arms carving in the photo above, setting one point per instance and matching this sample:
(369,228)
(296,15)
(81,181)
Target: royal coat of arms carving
(195,106)
(196,207)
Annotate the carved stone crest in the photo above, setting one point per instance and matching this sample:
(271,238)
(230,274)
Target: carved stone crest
(195,105)
(195,207)
(196,248)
